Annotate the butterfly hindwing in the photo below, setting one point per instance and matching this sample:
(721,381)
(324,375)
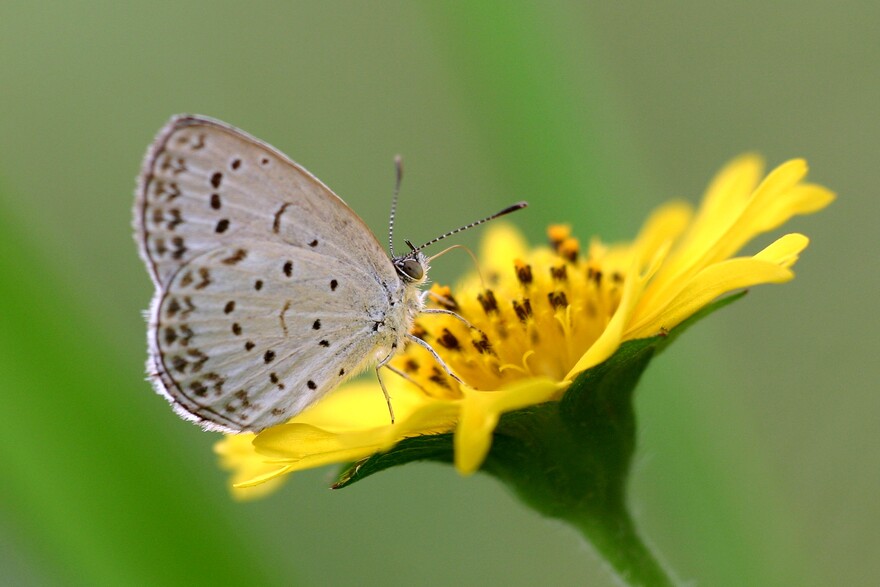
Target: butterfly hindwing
(242,338)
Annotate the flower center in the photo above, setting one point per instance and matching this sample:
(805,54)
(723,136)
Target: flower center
(535,319)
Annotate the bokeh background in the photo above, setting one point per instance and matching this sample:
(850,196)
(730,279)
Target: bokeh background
(758,460)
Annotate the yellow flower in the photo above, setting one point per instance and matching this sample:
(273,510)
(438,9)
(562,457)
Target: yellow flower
(539,317)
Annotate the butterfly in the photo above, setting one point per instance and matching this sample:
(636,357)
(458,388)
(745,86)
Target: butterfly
(270,290)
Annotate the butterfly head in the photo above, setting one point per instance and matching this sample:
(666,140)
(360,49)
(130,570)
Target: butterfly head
(412,268)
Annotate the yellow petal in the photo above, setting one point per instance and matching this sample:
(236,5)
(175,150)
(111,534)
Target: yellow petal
(664,225)
(769,266)
(768,208)
(302,446)
(480,412)
(801,199)
(726,196)
(785,250)
(732,185)
(237,454)
(633,289)
(361,404)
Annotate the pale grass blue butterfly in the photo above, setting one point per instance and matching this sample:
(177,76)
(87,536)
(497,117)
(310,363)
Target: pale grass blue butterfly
(270,290)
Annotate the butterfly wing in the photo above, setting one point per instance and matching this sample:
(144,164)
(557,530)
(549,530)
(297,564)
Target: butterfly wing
(245,337)
(269,289)
(204,183)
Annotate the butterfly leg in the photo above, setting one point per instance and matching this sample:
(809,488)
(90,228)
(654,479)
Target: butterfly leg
(434,354)
(384,363)
(453,314)
(406,376)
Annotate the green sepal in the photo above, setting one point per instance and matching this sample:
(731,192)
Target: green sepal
(436,447)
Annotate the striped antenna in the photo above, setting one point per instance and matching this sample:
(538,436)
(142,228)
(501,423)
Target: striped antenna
(398,165)
(508,210)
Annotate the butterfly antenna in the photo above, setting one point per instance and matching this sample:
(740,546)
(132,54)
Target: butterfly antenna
(398,166)
(508,210)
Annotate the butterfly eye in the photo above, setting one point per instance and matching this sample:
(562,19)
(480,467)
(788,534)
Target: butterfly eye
(411,269)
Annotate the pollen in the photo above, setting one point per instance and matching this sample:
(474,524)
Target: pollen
(557,233)
(569,248)
(442,296)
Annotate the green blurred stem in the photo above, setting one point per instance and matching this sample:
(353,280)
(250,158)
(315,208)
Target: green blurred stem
(618,542)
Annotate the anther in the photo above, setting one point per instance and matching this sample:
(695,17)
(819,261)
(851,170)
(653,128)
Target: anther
(448,340)
(523,272)
(488,301)
(483,346)
(559,273)
(523,310)
(557,299)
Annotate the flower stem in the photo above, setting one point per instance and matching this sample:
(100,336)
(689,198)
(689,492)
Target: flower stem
(618,542)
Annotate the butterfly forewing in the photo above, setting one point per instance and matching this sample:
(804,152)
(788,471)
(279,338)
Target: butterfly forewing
(269,288)
(204,183)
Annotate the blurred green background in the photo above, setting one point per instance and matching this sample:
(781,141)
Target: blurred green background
(759,459)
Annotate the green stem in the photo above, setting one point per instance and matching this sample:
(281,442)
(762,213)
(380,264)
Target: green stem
(618,542)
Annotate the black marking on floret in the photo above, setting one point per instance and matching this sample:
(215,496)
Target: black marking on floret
(488,301)
(448,340)
(557,299)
